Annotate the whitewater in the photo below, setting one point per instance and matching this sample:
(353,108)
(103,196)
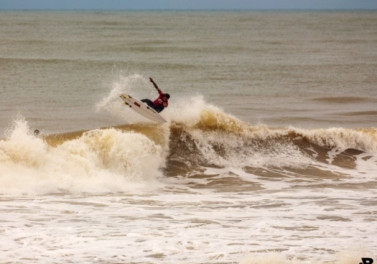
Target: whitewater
(204,182)
(269,154)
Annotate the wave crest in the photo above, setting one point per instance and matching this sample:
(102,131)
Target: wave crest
(103,160)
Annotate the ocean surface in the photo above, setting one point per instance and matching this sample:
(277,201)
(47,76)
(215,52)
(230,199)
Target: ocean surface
(269,154)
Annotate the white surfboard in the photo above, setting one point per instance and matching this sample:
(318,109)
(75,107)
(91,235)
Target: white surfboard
(142,108)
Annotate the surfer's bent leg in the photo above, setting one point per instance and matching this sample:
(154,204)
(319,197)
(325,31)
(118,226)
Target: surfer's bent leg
(148,102)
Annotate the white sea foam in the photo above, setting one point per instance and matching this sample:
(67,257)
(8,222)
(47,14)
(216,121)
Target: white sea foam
(168,227)
(106,160)
(287,218)
(279,223)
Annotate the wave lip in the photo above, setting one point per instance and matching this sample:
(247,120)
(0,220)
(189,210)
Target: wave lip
(219,140)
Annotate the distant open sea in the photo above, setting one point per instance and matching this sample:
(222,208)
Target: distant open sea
(269,154)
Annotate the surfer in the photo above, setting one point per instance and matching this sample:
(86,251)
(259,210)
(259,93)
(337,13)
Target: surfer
(161,102)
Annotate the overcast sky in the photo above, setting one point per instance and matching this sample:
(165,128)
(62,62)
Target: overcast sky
(187,4)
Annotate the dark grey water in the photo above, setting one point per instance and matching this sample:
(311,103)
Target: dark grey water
(276,68)
(269,154)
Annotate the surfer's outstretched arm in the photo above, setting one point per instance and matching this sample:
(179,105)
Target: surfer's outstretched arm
(155,85)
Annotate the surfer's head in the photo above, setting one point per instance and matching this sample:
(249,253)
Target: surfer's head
(167,96)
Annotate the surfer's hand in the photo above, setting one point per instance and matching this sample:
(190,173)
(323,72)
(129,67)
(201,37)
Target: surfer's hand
(150,79)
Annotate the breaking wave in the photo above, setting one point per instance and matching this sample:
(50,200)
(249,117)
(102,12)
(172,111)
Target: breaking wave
(198,136)
(103,160)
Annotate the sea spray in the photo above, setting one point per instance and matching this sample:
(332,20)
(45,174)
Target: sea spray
(341,138)
(112,104)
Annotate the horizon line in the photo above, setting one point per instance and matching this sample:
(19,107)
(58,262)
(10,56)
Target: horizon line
(188,9)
